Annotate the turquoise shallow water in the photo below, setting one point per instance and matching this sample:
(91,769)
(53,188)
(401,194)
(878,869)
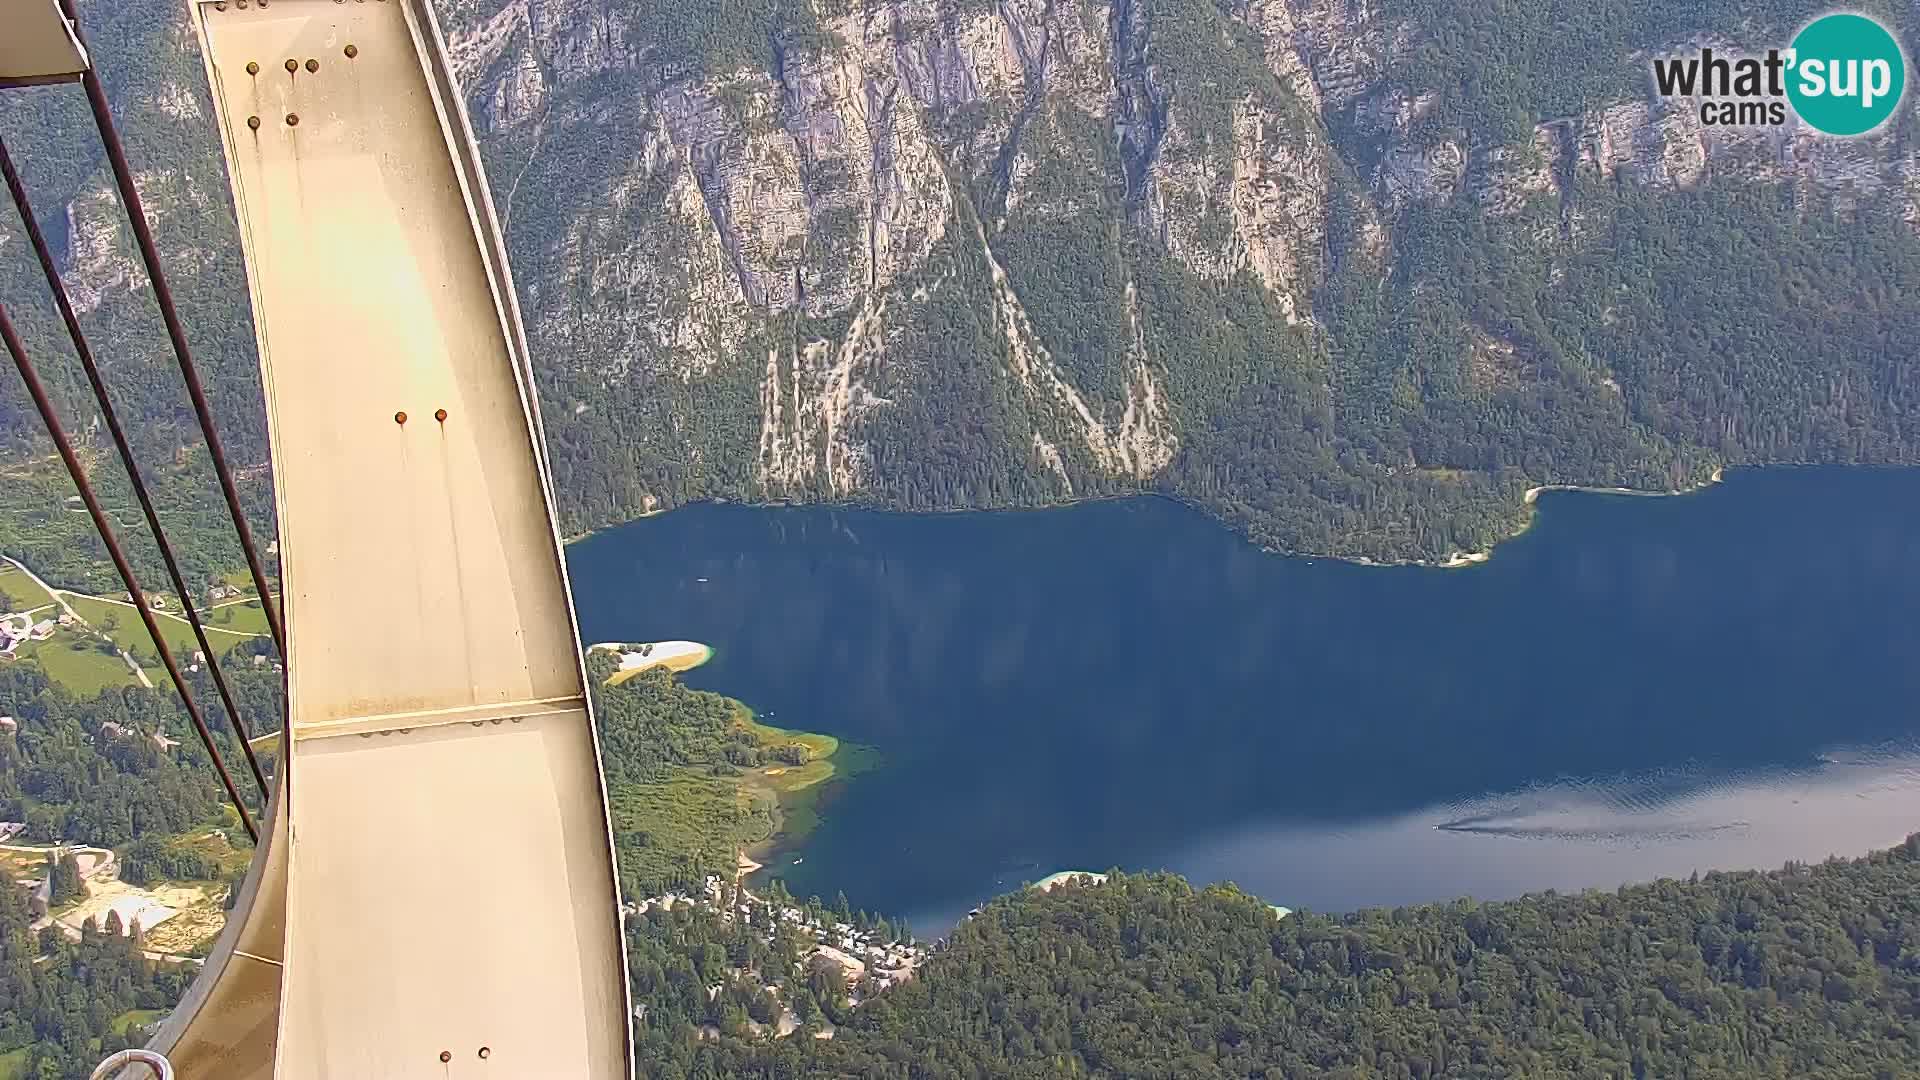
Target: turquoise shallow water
(1635,687)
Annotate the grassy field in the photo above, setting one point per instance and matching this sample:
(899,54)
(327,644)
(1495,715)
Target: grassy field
(216,844)
(683,821)
(84,671)
(18,592)
(23,865)
(693,821)
(244,618)
(122,623)
(131,1021)
(13,1064)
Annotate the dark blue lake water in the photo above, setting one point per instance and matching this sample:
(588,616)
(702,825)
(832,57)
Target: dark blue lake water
(1636,687)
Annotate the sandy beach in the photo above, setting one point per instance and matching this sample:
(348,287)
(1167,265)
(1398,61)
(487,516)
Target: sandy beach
(1046,884)
(676,656)
(1474,558)
(1533,493)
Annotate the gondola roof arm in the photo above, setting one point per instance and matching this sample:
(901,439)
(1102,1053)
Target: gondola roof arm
(40,45)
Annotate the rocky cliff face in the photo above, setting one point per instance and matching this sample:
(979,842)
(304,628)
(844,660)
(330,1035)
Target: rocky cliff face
(816,192)
(770,269)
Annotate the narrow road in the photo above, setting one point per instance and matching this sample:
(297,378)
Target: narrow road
(181,619)
(139,672)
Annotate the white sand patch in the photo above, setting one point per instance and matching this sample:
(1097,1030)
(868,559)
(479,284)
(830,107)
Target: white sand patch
(676,655)
(150,907)
(1047,884)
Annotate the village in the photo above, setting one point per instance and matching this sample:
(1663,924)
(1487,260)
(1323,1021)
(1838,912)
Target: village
(866,962)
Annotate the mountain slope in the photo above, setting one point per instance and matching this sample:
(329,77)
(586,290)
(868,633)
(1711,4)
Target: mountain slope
(1350,276)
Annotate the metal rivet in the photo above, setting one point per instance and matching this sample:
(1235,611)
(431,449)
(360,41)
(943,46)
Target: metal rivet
(241,4)
(292,65)
(440,415)
(485,1052)
(446,1055)
(399,418)
(253,122)
(293,119)
(220,7)
(353,51)
(313,65)
(253,68)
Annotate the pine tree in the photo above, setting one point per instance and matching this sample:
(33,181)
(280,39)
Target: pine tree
(64,883)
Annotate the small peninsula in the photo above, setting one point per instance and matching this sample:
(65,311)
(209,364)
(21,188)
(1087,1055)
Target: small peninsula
(695,782)
(636,657)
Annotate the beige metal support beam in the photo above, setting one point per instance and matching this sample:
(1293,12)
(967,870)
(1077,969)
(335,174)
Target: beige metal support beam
(37,45)
(437,898)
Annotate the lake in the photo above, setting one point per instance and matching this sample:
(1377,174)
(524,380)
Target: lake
(1635,687)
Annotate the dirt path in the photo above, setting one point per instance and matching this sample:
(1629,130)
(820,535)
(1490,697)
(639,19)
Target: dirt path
(60,598)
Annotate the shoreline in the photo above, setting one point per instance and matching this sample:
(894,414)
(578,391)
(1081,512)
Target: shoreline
(1457,560)
(1529,498)
(1533,493)
(794,791)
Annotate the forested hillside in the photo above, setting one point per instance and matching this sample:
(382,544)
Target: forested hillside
(65,1004)
(119,770)
(1806,973)
(91,771)
(1349,276)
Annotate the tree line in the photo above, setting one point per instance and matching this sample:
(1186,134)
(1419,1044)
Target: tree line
(1807,972)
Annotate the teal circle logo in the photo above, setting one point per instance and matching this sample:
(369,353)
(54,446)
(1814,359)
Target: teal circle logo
(1847,74)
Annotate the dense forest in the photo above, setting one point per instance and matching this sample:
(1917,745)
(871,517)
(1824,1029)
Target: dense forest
(1804,973)
(66,1004)
(90,772)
